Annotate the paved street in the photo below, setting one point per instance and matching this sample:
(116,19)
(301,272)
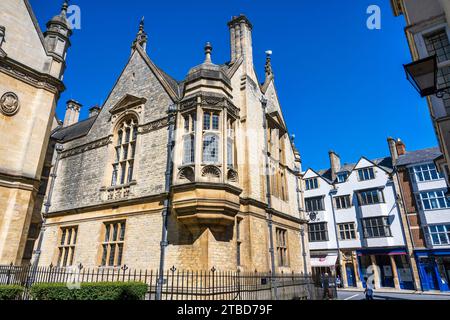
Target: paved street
(358,295)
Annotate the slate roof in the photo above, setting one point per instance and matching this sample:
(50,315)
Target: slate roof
(384,163)
(419,156)
(74,131)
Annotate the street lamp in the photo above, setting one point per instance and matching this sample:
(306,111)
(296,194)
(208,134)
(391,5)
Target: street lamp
(423,76)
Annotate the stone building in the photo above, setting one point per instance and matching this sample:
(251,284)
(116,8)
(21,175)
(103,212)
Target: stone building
(32,65)
(428,33)
(198,173)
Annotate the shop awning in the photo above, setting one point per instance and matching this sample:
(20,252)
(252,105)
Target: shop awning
(324,261)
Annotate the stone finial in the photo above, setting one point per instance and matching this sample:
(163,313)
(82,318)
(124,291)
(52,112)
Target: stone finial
(64,8)
(141,36)
(268,67)
(208,50)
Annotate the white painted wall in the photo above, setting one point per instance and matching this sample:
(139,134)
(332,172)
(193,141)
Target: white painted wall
(430,217)
(355,213)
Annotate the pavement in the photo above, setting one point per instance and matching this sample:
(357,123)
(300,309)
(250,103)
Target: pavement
(349,294)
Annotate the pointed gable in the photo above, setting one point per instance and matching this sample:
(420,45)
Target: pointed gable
(273,105)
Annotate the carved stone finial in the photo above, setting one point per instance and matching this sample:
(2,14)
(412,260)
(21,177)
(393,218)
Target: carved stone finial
(208,50)
(141,36)
(268,68)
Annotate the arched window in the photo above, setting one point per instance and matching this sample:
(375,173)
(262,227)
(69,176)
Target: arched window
(211,148)
(125,149)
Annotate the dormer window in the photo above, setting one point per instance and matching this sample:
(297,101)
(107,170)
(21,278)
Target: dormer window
(125,150)
(312,184)
(342,177)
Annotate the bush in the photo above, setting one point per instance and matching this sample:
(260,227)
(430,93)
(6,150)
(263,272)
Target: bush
(90,291)
(10,292)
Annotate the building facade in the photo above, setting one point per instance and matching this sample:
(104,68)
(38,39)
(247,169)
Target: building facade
(197,174)
(427,208)
(32,64)
(428,34)
(355,224)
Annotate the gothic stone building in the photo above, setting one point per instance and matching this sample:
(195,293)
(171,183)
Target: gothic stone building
(32,65)
(188,158)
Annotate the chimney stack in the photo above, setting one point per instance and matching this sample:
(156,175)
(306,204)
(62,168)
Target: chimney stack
(95,110)
(401,147)
(72,113)
(335,164)
(393,149)
(241,39)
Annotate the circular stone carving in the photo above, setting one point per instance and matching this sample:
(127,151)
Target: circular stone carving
(9,104)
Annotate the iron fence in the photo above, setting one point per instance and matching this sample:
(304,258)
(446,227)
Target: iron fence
(178,284)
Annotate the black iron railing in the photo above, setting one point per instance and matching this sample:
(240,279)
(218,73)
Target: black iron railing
(177,284)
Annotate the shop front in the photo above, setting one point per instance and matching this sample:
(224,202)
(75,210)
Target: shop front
(434,269)
(322,263)
(387,268)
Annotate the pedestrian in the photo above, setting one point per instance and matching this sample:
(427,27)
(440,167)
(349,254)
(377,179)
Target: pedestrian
(338,282)
(326,287)
(369,289)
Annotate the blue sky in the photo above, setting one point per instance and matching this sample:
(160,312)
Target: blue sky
(341,85)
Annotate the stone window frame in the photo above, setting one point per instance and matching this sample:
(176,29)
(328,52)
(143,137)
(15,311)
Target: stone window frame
(281,236)
(123,167)
(239,241)
(189,127)
(207,150)
(312,184)
(67,241)
(366,174)
(318,232)
(107,243)
(381,225)
(343,202)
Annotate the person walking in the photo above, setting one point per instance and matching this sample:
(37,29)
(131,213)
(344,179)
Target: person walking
(369,289)
(326,287)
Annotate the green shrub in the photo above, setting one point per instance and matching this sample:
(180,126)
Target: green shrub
(90,291)
(10,292)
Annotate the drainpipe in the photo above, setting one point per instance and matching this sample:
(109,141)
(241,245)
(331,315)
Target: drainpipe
(37,253)
(302,229)
(333,192)
(269,196)
(167,201)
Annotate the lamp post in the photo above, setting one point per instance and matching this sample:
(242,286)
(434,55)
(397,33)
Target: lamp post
(423,76)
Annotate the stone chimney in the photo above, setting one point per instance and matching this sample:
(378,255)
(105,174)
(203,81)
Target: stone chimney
(335,164)
(393,149)
(94,111)
(401,147)
(241,39)
(72,113)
